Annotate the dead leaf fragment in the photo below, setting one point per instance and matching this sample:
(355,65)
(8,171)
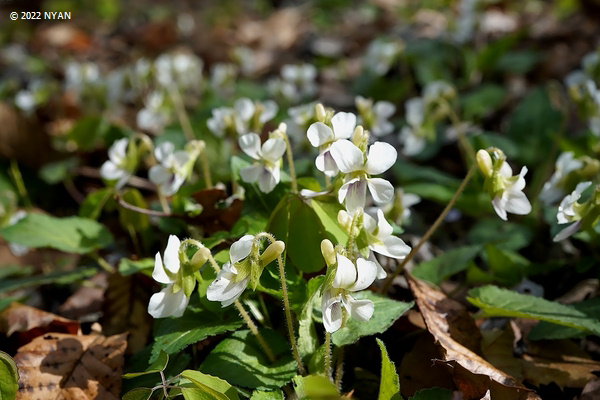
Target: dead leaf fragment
(218,213)
(32,322)
(473,375)
(62,366)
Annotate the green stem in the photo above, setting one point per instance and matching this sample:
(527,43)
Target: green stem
(255,331)
(350,243)
(431,230)
(286,304)
(339,370)
(206,169)
(182,114)
(199,246)
(164,204)
(103,263)
(290,158)
(20,184)
(328,355)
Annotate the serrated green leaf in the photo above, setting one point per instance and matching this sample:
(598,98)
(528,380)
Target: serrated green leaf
(549,331)
(443,267)
(262,395)
(9,377)
(138,394)
(216,387)
(157,366)
(297,224)
(175,334)
(241,361)
(389,385)
(71,235)
(386,312)
(497,302)
(432,394)
(315,387)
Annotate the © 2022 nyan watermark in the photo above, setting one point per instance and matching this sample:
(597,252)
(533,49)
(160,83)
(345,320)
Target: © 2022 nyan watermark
(40,15)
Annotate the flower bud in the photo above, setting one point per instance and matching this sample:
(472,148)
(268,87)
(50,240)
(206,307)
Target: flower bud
(328,252)
(200,258)
(345,221)
(320,112)
(273,251)
(485,162)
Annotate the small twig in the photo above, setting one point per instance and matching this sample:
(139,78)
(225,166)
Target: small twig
(140,210)
(134,181)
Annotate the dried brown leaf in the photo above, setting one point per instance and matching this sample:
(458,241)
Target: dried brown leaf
(32,322)
(215,218)
(87,300)
(474,376)
(126,309)
(62,366)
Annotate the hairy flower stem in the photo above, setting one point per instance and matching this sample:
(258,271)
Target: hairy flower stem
(339,370)
(164,204)
(327,181)
(206,169)
(350,243)
(286,304)
(432,229)
(328,355)
(181,113)
(255,331)
(290,157)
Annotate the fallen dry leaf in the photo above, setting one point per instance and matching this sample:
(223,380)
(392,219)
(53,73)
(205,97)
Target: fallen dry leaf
(62,366)
(126,309)
(591,391)
(217,214)
(31,322)
(87,301)
(446,321)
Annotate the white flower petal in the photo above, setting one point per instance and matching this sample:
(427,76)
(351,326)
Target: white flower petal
(345,276)
(172,254)
(319,134)
(326,164)
(384,109)
(347,156)
(273,149)
(252,173)
(499,206)
(159,175)
(244,108)
(356,196)
(380,158)
(568,231)
(164,151)
(332,312)
(224,288)
(381,190)
(381,274)
(159,274)
(167,304)
(385,229)
(343,125)
(250,144)
(361,310)
(366,274)
(517,203)
(268,179)
(118,150)
(111,171)
(393,247)
(241,248)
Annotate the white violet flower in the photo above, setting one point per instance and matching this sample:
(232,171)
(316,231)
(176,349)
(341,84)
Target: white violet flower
(168,303)
(322,136)
(568,212)
(358,169)
(267,168)
(376,116)
(118,166)
(553,190)
(381,240)
(227,287)
(170,174)
(348,278)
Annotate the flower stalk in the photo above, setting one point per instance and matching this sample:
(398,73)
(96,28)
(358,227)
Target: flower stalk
(432,229)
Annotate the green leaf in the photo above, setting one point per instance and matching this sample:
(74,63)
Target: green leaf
(307,335)
(217,387)
(549,331)
(297,224)
(95,202)
(387,311)
(502,234)
(389,385)
(87,131)
(241,361)
(408,172)
(443,267)
(507,267)
(71,235)
(58,277)
(482,101)
(9,377)
(58,171)
(138,394)
(175,334)
(518,62)
(327,213)
(262,395)
(496,302)
(315,387)
(157,366)
(128,218)
(130,267)
(432,394)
